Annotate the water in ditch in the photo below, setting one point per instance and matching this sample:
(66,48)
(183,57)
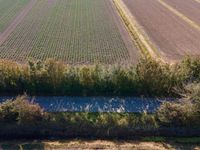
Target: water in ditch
(95,104)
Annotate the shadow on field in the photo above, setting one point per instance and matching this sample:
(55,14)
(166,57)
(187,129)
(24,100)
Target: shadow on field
(22,146)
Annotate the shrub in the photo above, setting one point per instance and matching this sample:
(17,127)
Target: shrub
(184,112)
(190,69)
(148,78)
(21,111)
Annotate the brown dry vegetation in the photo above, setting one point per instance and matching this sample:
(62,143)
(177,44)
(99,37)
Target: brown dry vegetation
(98,144)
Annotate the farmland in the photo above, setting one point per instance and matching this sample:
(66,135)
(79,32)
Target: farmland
(190,8)
(109,75)
(171,26)
(8,11)
(76,32)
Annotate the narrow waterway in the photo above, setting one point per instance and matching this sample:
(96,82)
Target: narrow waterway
(95,104)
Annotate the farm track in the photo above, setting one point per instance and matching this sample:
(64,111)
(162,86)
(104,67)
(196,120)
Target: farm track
(4,35)
(189,8)
(172,36)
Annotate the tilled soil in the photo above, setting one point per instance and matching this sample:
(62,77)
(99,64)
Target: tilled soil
(172,36)
(190,8)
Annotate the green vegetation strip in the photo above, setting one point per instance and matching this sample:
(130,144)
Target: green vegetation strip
(74,31)
(22,118)
(185,140)
(147,78)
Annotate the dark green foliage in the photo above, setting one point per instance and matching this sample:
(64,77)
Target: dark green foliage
(20,111)
(20,118)
(148,78)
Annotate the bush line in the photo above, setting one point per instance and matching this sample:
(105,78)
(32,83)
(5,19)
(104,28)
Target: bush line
(147,78)
(21,118)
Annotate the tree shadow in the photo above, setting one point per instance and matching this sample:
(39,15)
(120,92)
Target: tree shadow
(17,145)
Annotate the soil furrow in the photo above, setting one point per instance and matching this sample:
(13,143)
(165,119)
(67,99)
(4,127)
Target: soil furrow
(190,8)
(173,37)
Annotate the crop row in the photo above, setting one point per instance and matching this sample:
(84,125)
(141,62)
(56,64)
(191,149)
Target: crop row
(78,31)
(8,10)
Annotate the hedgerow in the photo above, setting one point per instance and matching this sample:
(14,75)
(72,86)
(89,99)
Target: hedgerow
(19,118)
(147,78)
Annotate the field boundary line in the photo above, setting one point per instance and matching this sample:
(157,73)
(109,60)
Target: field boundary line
(15,22)
(180,15)
(124,32)
(139,37)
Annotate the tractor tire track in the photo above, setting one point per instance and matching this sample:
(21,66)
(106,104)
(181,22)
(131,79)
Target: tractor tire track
(5,34)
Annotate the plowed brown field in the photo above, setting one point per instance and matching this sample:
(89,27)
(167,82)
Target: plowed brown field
(170,34)
(190,8)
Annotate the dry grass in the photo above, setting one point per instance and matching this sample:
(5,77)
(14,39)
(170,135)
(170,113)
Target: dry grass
(97,144)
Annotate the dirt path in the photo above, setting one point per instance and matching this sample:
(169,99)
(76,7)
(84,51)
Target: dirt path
(172,36)
(189,8)
(4,35)
(96,144)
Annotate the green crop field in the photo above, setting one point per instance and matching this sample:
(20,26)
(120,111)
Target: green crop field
(8,10)
(74,31)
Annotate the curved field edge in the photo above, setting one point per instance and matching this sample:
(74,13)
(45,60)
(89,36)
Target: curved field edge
(138,35)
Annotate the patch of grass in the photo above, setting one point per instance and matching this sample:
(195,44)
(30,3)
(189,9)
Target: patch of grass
(187,140)
(154,139)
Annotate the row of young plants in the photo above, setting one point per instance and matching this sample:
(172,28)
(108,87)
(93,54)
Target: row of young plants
(78,31)
(22,118)
(9,10)
(147,78)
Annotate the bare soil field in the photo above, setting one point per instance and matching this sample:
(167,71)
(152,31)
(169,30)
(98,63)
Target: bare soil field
(76,32)
(190,8)
(172,36)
